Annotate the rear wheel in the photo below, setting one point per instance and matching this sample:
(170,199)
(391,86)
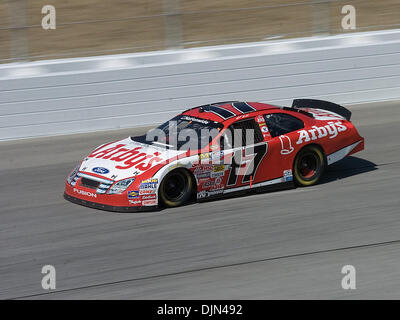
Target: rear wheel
(309,166)
(176,188)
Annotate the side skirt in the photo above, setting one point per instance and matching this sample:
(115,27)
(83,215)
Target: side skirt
(245,190)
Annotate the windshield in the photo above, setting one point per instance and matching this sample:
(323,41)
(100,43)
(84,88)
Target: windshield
(182,133)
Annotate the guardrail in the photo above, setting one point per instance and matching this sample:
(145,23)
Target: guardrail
(109,92)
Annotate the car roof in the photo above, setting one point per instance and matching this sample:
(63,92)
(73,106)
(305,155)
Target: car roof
(226,111)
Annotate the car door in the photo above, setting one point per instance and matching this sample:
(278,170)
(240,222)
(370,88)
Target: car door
(282,148)
(247,149)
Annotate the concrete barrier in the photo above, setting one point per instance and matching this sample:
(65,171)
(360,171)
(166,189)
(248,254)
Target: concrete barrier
(109,92)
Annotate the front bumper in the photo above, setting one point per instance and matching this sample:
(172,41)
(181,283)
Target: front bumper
(101,206)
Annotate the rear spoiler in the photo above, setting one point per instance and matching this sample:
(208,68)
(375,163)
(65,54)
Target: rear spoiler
(324,105)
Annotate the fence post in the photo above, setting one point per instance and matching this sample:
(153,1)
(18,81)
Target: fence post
(18,31)
(320,17)
(173,24)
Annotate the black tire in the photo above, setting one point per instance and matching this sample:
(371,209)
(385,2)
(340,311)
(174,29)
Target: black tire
(308,166)
(176,188)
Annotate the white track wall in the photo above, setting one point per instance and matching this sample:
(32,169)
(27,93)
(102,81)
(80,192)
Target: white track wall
(109,92)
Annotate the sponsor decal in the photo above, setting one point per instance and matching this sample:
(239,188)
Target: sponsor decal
(133,194)
(195,119)
(287,175)
(202,180)
(218,171)
(242,116)
(85,193)
(203,169)
(286,145)
(320,114)
(214,156)
(217,174)
(219,168)
(208,183)
(332,129)
(217,155)
(214,192)
(260,119)
(147,191)
(151,181)
(205,175)
(203,156)
(264,130)
(128,158)
(201,194)
(149,197)
(148,186)
(205,194)
(135,202)
(149,202)
(100,170)
(213,184)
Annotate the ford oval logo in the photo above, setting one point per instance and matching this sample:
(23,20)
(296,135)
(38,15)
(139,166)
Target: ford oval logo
(100,170)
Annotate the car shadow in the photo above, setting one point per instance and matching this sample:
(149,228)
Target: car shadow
(348,167)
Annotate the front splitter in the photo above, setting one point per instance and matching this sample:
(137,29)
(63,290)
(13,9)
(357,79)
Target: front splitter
(105,207)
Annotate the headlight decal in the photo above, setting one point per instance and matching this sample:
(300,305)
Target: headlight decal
(73,177)
(120,186)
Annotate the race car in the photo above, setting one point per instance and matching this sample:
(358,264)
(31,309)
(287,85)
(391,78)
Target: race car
(215,150)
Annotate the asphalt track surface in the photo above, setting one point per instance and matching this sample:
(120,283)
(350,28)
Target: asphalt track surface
(285,244)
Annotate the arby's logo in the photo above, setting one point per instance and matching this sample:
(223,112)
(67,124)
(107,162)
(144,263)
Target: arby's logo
(128,158)
(331,130)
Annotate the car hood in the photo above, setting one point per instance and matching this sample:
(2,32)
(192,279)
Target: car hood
(126,158)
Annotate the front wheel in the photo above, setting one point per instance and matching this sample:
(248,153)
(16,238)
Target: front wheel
(309,166)
(176,188)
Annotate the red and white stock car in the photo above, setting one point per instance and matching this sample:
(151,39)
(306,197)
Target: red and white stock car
(253,146)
